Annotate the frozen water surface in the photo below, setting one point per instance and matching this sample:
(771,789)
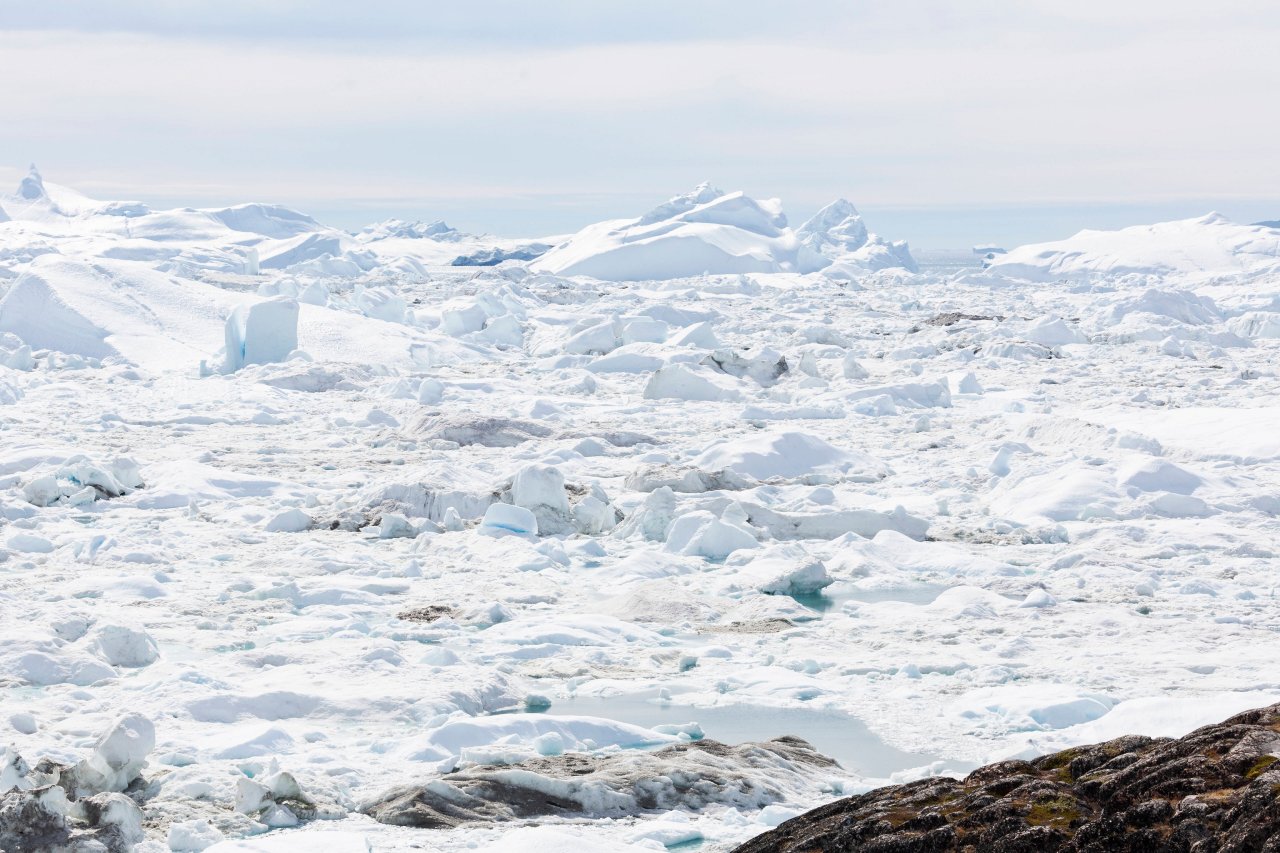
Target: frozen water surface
(841,736)
(695,466)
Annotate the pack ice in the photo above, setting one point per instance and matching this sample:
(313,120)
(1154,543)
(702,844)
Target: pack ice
(654,535)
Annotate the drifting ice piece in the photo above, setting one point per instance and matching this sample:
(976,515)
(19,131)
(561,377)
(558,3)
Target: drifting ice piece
(118,756)
(515,519)
(540,489)
(262,333)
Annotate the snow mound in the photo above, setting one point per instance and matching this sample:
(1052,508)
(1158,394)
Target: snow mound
(690,382)
(703,231)
(785,455)
(1207,244)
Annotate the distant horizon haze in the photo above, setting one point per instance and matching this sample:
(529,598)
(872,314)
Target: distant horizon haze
(1001,121)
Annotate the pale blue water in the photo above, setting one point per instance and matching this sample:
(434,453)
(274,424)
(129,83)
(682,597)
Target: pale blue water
(843,737)
(838,593)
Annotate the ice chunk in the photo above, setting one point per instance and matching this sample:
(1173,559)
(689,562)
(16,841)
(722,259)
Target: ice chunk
(1158,475)
(786,570)
(852,369)
(515,519)
(785,454)
(964,382)
(599,339)
(120,645)
(261,333)
(118,756)
(540,489)
(701,534)
(1052,332)
(289,521)
(30,543)
(690,382)
(699,335)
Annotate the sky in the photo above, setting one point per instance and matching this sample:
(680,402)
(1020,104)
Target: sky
(947,123)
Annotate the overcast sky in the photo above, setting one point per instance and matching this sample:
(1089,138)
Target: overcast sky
(947,123)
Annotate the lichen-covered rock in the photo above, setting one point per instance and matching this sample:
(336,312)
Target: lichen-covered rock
(1217,790)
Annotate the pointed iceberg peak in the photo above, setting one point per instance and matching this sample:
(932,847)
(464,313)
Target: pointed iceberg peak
(838,226)
(32,186)
(838,232)
(703,193)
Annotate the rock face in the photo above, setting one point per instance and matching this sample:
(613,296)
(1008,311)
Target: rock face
(576,785)
(1213,791)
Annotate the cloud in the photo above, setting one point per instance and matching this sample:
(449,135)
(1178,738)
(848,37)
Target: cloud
(918,104)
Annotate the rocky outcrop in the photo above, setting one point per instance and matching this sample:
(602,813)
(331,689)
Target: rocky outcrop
(1217,790)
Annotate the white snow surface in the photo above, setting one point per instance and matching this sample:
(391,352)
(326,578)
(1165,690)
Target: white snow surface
(475,515)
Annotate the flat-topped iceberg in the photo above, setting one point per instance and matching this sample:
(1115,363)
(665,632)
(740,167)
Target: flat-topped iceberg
(1210,244)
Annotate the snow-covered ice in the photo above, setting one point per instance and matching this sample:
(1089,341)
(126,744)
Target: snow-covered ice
(298,521)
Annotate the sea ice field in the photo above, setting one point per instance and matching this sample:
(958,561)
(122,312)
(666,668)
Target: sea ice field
(409,539)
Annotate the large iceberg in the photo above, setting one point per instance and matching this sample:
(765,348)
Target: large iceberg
(703,231)
(837,232)
(1210,244)
(710,231)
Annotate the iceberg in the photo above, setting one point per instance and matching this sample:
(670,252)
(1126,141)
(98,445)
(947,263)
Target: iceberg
(702,231)
(1205,245)
(261,333)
